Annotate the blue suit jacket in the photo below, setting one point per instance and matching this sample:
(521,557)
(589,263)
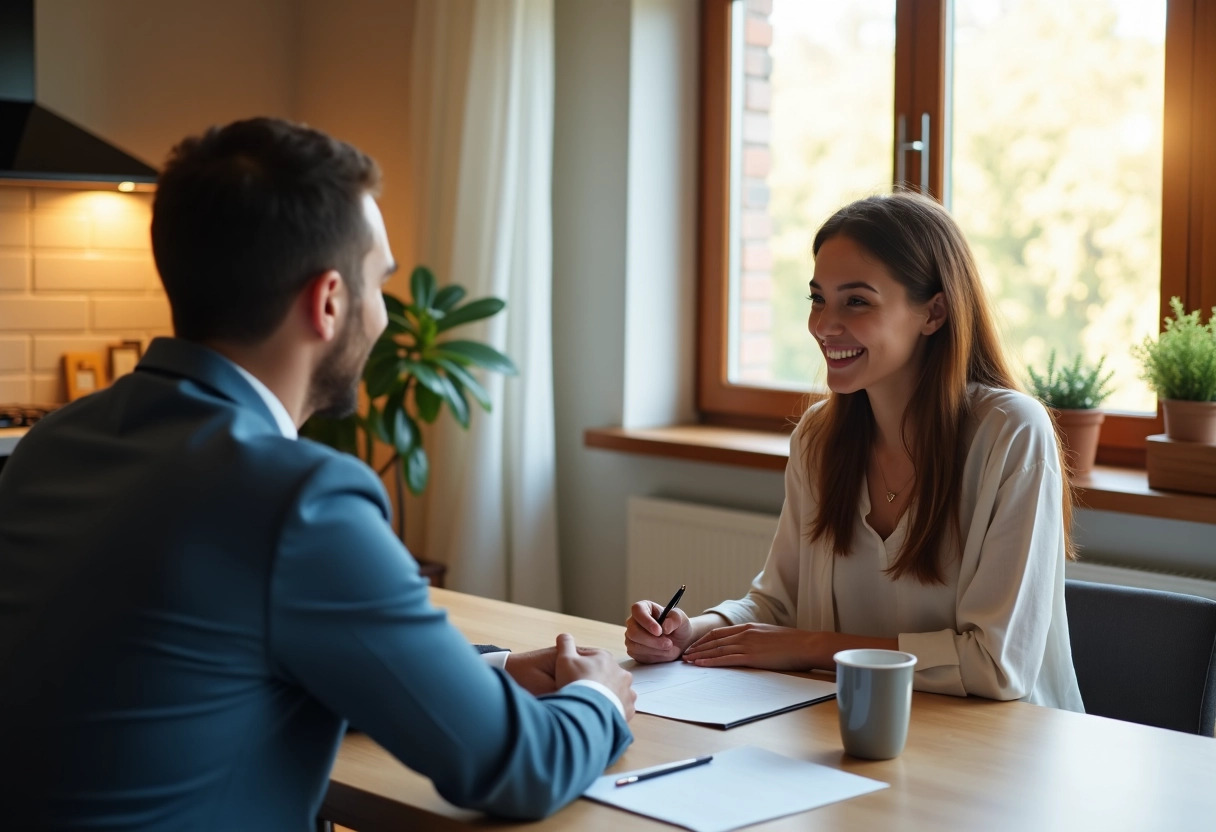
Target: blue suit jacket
(191,606)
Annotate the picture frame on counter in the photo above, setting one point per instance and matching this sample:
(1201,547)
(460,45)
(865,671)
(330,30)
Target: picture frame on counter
(124,357)
(83,373)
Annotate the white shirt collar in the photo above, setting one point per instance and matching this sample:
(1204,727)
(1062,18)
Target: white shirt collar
(277,410)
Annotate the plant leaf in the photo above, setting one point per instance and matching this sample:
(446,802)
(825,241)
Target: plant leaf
(422,287)
(405,432)
(428,404)
(417,470)
(393,304)
(369,442)
(400,324)
(447,297)
(454,396)
(385,345)
(472,311)
(382,374)
(427,376)
(373,423)
(466,380)
(471,352)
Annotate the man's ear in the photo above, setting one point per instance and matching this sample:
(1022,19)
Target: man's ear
(937,312)
(325,302)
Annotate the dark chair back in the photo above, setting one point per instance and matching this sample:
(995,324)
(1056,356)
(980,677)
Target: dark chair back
(1144,655)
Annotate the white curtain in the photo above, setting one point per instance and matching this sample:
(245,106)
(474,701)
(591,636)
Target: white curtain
(482,105)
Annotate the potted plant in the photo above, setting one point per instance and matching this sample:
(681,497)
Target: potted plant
(1181,367)
(410,376)
(1074,392)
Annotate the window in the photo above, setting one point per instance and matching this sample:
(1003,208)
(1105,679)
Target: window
(1075,143)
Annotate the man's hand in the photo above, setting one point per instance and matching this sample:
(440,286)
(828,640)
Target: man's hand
(574,663)
(533,670)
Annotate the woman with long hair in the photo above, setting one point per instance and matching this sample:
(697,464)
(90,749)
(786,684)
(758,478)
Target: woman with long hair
(927,504)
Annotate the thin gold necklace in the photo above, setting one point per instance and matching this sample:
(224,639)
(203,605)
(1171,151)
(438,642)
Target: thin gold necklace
(888,493)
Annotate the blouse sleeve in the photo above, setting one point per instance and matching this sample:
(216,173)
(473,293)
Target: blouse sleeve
(1012,568)
(772,598)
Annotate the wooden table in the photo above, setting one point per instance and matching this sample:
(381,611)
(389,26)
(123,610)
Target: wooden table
(970,764)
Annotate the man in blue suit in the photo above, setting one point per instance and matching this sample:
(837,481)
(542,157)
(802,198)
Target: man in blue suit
(193,602)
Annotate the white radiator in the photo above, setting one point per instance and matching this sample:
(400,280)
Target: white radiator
(717,552)
(714,551)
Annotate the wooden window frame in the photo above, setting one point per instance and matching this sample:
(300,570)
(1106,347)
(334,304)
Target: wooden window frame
(1188,211)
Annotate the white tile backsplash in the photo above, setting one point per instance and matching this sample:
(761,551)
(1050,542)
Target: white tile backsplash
(62,230)
(93,272)
(47,389)
(76,274)
(14,355)
(14,199)
(131,315)
(34,314)
(15,390)
(14,270)
(14,228)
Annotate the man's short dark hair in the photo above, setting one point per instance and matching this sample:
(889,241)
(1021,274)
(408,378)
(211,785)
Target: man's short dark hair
(246,215)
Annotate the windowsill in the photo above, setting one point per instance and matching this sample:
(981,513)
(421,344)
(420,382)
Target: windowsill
(1107,488)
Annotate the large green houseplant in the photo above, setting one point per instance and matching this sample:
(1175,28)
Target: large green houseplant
(411,375)
(1181,367)
(1074,392)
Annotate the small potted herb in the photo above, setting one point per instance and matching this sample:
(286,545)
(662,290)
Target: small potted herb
(1074,392)
(1181,367)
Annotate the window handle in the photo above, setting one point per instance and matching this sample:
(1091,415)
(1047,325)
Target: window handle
(920,146)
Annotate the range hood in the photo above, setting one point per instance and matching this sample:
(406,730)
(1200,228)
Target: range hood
(38,146)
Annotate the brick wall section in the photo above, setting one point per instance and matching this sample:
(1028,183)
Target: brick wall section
(76,275)
(756,260)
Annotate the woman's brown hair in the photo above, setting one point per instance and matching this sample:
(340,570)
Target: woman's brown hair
(924,250)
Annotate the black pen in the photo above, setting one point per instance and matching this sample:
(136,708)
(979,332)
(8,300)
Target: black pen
(659,771)
(675,599)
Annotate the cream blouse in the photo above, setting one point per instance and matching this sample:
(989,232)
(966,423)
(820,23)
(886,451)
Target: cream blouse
(997,627)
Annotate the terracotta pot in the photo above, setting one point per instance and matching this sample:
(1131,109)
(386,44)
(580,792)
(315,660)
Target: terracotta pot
(1079,429)
(1190,421)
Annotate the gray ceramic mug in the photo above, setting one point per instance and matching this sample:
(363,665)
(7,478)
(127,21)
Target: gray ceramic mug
(874,696)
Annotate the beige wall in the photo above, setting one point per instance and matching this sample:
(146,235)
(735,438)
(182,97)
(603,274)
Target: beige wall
(353,81)
(75,268)
(144,73)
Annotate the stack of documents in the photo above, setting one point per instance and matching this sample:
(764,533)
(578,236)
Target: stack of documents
(737,788)
(721,696)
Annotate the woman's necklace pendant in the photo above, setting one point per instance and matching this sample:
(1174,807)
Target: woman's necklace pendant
(891,496)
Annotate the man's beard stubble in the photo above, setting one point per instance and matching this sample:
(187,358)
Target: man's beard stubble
(333,390)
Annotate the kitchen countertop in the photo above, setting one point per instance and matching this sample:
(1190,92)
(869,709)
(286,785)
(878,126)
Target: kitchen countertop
(8,439)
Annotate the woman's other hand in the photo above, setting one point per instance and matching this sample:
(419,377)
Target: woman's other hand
(765,646)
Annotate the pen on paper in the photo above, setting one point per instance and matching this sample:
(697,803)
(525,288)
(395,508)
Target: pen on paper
(671,605)
(659,771)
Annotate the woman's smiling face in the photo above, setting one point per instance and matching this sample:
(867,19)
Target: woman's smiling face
(871,334)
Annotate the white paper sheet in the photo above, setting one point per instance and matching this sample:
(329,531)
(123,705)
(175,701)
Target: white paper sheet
(739,787)
(722,696)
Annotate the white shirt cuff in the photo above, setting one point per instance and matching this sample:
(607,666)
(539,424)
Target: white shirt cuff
(612,697)
(497,659)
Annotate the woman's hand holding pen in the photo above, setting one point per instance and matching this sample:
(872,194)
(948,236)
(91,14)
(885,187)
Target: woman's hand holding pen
(650,642)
